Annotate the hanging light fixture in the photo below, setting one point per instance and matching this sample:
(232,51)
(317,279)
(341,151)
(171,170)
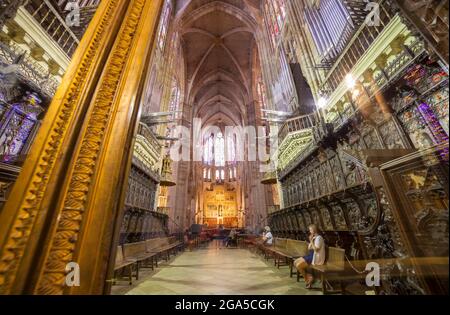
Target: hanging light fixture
(270,177)
(322,102)
(350,80)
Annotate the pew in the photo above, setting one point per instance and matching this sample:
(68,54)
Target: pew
(286,251)
(164,246)
(138,251)
(145,254)
(261,247)
(247,240)
(334,265)
(124,264)
(295,249)
(268,251)
(275,251)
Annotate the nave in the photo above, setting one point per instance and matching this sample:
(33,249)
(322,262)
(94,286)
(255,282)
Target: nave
(317,130)
(216,270)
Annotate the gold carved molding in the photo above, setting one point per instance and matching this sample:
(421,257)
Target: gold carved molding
(64,206)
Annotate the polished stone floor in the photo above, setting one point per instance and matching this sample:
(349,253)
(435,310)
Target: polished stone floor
(216,271)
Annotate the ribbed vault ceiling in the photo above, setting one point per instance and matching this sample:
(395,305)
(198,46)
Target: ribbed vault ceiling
(218,41)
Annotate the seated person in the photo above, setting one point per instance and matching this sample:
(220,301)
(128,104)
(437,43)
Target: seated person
(187,240)
(232,238)
(316,255)
(267,237)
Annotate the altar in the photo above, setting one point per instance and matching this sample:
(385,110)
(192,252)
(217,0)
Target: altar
(220,208)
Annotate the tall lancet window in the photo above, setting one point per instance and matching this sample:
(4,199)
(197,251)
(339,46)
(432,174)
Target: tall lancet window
(231,148)
(275,16)
(164,26)
(261,89)
(219,152)
(175,99)
(208,150)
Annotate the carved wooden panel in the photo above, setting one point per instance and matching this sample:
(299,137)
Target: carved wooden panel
(390,135)
(419,190)
(339,218)
(354,214)
(301,221)
(316,218)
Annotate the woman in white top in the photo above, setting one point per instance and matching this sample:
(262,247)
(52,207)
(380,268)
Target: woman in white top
(267,237)
(315,257)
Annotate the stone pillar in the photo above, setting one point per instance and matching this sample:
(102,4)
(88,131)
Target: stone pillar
(66,204)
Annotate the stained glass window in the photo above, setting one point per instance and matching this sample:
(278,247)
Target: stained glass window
(207,174)
(175,96)
(233,173)
(208,150)
(219,152)
(217,175)
(164,26)
(275,12)
(18,122)
(231,148)
(215,152)
(15,136)
(262,94)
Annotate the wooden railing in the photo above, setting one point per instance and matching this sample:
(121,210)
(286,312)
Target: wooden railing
(163,210)
(51,21)
(381,81)
(297,124)
(145,131)
(273,209)
(28,69)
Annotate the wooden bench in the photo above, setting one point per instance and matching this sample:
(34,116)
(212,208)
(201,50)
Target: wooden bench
(265,250)
(273,251)
(286,251)
(138,251)
(248,240)
(124,264)
(144,254)
(164,246)
(171,244)
(283,251)
(259,245)
(334,265)
(294,250)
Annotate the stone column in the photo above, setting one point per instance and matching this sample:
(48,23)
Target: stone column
(66,204)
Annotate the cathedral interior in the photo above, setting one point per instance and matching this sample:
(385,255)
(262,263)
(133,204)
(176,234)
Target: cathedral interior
(146,146)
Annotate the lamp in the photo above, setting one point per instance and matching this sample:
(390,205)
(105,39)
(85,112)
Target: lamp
(322,102)
(350,80)
(270,176)
(166,173)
